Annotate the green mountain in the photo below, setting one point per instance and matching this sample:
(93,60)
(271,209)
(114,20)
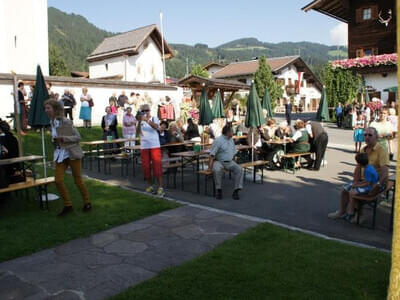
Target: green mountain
(75,38)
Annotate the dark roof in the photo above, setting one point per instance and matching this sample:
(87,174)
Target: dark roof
(128,43)
(211,64)
(80,74)
(250,67)
(194,81)
(338,9)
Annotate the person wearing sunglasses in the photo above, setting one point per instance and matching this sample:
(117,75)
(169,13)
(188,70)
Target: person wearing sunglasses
(379,159)
(150,151)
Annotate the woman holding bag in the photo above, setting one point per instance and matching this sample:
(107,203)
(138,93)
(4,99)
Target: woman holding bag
(67,153)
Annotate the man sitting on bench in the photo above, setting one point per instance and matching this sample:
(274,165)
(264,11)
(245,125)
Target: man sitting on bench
(379,159)
(222,153)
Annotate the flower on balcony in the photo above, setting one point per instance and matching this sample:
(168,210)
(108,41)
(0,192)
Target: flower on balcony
(366,61)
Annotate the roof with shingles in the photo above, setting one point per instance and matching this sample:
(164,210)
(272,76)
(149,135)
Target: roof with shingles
(251,66)
(128,41)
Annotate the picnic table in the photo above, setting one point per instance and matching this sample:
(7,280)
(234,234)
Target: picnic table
(98,143)
(40,184)
(189,157)
(239,137)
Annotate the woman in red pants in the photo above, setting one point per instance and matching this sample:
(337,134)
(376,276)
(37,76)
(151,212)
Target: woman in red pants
(150,151)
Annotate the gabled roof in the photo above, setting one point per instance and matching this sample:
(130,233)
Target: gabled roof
(128,43)
(212,64)
(338,9)
(250,67)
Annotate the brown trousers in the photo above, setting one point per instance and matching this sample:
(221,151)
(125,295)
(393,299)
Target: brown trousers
(77,174)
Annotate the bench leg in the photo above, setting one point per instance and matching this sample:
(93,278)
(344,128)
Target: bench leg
(374,213)
(47,197)
(175,171)
(254,174)
(182,177)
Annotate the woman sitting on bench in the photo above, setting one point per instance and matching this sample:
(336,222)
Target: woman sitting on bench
(9,148)
(299,141)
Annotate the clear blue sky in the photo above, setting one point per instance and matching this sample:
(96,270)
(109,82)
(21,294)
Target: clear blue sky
(210,22)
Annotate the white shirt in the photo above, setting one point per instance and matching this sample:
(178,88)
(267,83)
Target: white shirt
(298,134)
(85,103)
(149,136)
(60,154)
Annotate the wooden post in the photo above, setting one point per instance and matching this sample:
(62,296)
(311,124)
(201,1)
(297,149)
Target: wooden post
(394,284)
(17,113)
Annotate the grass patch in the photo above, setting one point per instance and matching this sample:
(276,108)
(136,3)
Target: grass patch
(32,142)
(25,229)
(268,262)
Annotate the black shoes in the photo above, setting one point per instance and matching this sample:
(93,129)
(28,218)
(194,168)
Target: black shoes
(66,210)
(391,156)
(235,195)
(87,207)
(219,194)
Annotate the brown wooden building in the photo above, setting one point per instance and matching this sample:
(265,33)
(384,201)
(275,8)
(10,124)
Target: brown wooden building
(371,33)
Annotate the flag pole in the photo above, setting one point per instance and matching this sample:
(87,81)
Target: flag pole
(162,47)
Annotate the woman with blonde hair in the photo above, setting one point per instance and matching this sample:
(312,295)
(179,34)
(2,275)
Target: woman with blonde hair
(150,151)
(67,153)
(85,113)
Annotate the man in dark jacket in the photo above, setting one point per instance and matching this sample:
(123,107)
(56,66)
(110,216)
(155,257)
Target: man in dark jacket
(318,142)
(288,111)
(69,102)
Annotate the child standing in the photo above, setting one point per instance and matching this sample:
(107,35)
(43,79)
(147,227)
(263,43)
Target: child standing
(362,187)
(358,127)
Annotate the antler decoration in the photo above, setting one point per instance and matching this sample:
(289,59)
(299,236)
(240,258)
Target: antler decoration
(382,20)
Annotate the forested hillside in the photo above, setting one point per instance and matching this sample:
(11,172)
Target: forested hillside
(75,38)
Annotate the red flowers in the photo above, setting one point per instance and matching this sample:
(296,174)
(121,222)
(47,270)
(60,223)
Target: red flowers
(366,61)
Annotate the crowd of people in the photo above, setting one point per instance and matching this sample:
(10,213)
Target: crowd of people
(360,116)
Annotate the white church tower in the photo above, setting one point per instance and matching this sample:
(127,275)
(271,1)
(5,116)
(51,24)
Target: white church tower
(24,36)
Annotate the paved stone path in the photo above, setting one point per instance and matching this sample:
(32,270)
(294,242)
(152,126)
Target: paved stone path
(106,263)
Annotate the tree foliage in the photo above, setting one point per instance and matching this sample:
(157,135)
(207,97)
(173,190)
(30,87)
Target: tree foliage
(341,85)
(198,70)
(263,78)
(57,65)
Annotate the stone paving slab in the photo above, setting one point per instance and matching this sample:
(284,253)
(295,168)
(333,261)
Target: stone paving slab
(107,263)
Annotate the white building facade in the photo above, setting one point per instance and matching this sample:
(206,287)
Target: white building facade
(140,59)
(24,36)
(100,90)
(297,80)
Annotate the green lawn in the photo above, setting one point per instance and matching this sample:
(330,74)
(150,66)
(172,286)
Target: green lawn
(268,262)
(25,229)
(32,142)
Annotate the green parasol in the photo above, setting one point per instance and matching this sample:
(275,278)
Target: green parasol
(206,115)
(266,104)
(218,106)
(323,112)
(254,115)
(37,116)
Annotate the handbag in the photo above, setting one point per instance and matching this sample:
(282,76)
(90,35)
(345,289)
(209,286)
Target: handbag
(91,103)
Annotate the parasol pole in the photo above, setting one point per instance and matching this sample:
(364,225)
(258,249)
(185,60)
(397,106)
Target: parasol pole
(17,113)
(44,154)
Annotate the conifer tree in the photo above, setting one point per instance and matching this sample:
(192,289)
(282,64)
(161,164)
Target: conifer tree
(263,78)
